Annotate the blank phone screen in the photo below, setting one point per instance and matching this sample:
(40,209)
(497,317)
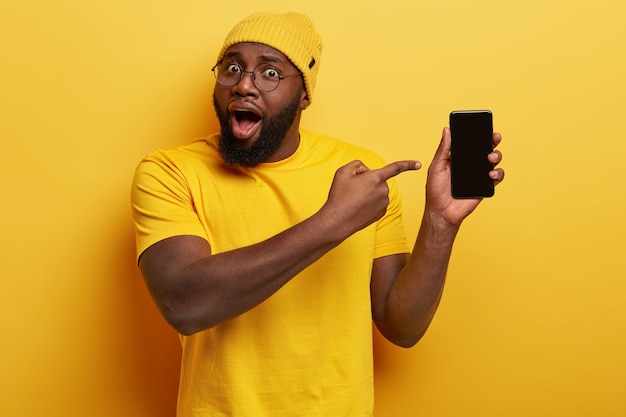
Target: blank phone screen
(471,143)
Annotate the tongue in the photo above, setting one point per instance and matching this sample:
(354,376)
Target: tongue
(245,124)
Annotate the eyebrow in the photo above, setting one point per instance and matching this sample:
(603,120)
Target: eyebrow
(272,58)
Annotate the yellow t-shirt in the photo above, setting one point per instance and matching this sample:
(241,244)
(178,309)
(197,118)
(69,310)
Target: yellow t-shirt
(307,350)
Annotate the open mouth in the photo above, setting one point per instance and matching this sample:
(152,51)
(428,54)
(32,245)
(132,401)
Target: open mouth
(245,123)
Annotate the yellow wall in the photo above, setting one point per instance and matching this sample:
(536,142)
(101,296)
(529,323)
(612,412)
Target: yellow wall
(533,318)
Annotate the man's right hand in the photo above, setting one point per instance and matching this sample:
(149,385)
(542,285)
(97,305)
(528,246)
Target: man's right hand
(359,196)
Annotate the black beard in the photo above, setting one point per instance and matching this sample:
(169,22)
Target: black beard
(272,133)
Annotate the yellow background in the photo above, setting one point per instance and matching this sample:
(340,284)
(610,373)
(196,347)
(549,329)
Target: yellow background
(533,318)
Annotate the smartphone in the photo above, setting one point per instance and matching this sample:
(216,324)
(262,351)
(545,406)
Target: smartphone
(472,132)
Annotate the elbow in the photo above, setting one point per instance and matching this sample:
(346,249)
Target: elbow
(188,314)
(406,341)
(401,337)
(183,319)
(183,327)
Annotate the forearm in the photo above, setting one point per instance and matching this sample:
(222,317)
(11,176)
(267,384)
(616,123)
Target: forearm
(413,298)
(215,288)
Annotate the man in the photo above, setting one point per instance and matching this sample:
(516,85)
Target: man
(270,248)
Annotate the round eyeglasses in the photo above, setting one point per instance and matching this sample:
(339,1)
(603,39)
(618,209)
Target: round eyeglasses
(265,79)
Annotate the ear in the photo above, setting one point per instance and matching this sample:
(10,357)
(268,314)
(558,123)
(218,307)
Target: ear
(304,100)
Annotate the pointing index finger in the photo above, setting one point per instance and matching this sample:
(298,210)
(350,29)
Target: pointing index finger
(395,168)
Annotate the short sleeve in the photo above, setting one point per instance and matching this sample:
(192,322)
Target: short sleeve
(390,234)
(162,202)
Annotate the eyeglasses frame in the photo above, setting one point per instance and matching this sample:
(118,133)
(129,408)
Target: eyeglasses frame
(253,74)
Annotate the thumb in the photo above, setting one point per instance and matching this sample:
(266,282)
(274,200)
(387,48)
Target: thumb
(443,150)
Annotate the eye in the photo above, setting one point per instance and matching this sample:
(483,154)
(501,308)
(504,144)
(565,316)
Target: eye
(270,73)
(233,69)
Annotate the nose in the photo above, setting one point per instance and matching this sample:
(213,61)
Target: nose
(245,86)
